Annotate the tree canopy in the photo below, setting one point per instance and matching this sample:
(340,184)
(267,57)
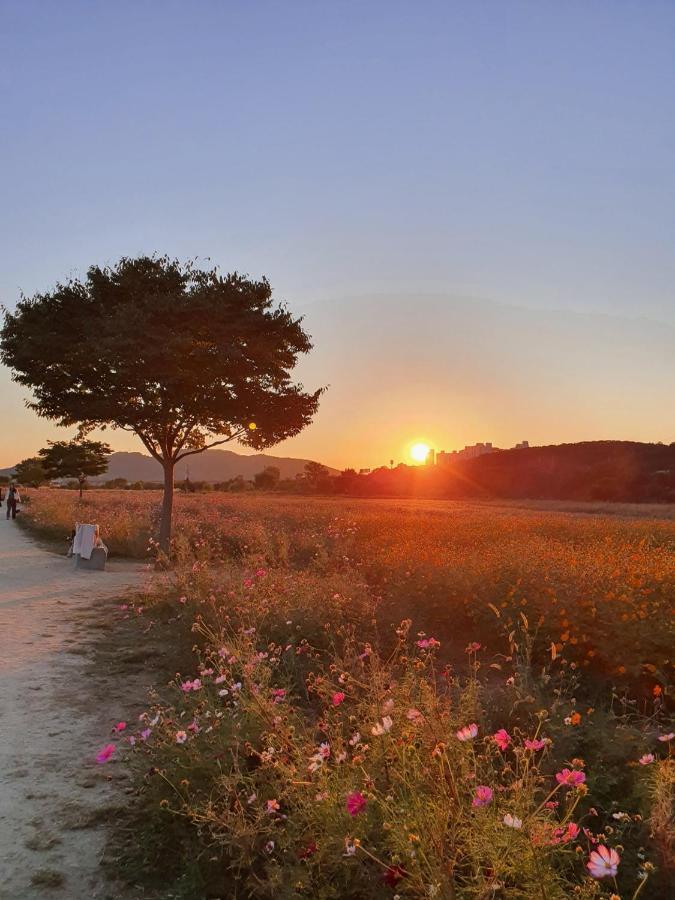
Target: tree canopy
(74,459)
(31,471)
(185,358)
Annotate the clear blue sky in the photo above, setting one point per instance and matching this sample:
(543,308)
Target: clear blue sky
(519,152)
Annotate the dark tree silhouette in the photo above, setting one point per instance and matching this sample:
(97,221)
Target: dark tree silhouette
(268,479)
(183,357)
(75,459)
(30,471)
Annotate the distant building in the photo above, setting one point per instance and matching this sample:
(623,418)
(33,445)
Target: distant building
(523,445)
(473,451)
(364,471)
(431,458)
(444,458)
(476,450)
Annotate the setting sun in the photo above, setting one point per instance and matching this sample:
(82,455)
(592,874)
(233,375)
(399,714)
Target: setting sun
(419,452)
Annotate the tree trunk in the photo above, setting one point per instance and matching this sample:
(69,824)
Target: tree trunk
(81,486)
(167,507)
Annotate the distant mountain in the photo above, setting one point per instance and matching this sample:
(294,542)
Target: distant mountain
(212,465)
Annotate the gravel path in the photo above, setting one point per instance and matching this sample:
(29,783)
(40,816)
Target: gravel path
(56,711)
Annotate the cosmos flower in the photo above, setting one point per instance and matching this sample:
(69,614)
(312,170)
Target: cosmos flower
(181,737)
(356,803)
(535,744)
(512,821)
(570,777)
(646,759)
(501,738)
(603,862)
(483,795)
(565,835)
(664,738)
(105,753)
(468,732)
(380,729)
(428,643)
(337,698)
(272,806)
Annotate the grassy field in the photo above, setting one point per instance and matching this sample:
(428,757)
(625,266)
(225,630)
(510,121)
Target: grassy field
(416,698)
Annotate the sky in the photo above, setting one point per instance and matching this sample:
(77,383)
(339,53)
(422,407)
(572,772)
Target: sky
(471,203)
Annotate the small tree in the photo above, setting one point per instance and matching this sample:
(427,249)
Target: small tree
(268,479)
(31,471)
(318,476)
(185,358)
(75,459)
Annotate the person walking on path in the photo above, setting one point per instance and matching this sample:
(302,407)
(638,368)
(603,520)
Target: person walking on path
(13,499)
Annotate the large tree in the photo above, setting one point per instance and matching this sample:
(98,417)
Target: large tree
(78,459)
(30,471)
(185,358)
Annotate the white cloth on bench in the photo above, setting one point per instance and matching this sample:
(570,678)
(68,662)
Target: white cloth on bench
(86,538)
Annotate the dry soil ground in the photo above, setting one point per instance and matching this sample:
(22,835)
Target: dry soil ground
(60,693)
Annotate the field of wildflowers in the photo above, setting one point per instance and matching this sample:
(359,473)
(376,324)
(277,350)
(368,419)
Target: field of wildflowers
(399,699)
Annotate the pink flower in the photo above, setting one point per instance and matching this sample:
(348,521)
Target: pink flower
(535,744)
(468,732)
(428,643)
(414,715)
(278,694)
(145,734)
(502,738)
(667,737)
(565,835)
(105,753)
(483,795)
(570,777)
(119,727)
(181,737)
(272,806)
(473,647)
(356,803)
(337,698)
(603,862)
(646,759)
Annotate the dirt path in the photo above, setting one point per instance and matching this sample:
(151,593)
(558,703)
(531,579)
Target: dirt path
(56,711)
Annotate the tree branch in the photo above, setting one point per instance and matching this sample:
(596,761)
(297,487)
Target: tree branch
(149,446)
(209,446)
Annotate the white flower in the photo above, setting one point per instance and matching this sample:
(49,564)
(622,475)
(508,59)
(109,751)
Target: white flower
(380,729)
(512,821)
